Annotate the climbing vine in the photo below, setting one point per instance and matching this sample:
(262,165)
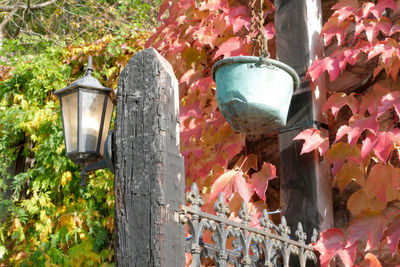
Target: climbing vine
(46,217)
(193,37)
(362,42)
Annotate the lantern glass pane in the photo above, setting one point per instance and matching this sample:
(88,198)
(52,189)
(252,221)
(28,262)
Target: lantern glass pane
(70,118)
(106,127)
(92,107)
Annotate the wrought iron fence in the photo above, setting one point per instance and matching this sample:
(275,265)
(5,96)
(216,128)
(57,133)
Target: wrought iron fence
(239,244)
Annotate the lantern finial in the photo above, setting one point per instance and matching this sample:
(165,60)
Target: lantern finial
(89,68)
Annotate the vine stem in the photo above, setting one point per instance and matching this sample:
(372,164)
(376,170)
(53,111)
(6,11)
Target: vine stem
(392,214)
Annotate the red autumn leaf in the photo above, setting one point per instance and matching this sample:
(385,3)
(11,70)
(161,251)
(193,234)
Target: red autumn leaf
(393,234)
(260,179)
(346,3)
(190,77)
(395,28)
(185,4)
(214,5)
(165,5)
(336,101)
(229,183)
(381,143)
(344,12)
(206,35)
(371,225)
(357,125)
(316,69)
(245,163)
(372,99)
(394,68)
(238,17)
(377,9)
(203,84)
(313,140)
(333,27)
(234,46)
(331,243)
(333,64)
(373,27)
(389,100)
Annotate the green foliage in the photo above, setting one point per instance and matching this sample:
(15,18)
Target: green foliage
(76,19)
(47,218)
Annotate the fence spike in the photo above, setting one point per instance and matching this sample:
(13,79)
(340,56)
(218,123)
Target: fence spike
(193,197)
(285,229)
(220,206)
(314,237)
(302,236)
(265,222)
(244,214)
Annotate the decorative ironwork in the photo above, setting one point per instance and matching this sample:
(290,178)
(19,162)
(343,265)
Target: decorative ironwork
(239,244)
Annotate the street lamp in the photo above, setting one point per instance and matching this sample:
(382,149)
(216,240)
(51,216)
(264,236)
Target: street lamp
(86,109)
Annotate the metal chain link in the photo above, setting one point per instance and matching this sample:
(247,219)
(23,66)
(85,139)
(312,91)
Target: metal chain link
(257,30)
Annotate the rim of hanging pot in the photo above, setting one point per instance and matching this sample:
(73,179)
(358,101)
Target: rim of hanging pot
(253,59)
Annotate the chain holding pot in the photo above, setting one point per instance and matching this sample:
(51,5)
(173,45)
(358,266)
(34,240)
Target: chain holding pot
(254,93)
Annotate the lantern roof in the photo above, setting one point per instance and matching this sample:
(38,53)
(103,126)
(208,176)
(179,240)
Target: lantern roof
(88,82)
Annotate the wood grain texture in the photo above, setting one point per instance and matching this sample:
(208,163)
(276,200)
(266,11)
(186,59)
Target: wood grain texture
(149,176)
(305,180)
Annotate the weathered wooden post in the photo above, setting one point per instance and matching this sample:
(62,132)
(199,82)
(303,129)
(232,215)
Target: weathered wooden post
(149,176)
(305,183)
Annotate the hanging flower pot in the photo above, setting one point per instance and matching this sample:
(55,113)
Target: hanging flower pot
(254,93)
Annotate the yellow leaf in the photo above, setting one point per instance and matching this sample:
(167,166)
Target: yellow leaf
(350,171)
(360,201)
(66,177)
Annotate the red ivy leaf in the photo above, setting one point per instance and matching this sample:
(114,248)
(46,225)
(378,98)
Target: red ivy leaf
(313,140)
(372,99)
(346,3)
(357,124)
(336,101)
(206,35)
(393,234)
(234,46)
(214,5)
(389,100)
(372,225)
(331,243)
(377,9)
(334,27)
(381,143)
(333,64)
(373,27)
(260,179)
(229,183)
(238,17)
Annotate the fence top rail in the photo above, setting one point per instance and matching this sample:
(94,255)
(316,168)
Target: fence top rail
(283,231)
(190,210)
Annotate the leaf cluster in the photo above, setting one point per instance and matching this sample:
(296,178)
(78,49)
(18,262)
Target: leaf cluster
(362,41)
(47,218)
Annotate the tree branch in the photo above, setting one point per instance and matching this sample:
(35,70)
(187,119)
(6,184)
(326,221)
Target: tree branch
(7,19)
(3,24)
(32,7)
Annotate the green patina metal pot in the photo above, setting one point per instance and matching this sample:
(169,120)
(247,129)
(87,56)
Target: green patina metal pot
(254,94)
